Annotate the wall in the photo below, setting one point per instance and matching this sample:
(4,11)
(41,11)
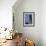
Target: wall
(33,33)
(6,13)
(43,22)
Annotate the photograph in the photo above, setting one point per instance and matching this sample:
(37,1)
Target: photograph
(28,19)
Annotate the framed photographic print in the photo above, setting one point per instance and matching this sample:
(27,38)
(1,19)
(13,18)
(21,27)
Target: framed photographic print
(28,19)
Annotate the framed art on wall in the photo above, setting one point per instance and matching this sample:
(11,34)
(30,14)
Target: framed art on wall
(28,19)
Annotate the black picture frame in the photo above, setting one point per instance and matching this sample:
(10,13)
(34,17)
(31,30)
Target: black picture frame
(28,19)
